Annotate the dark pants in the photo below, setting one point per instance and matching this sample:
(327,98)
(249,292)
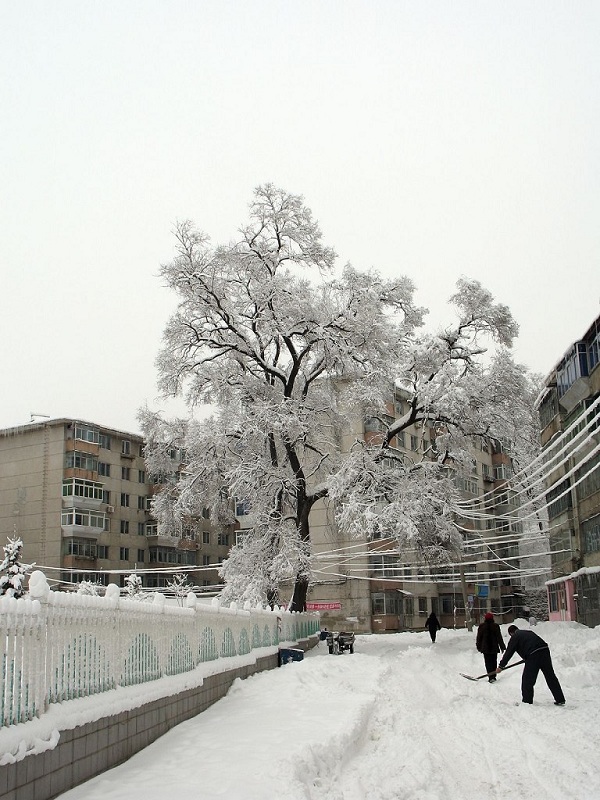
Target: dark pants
(491,662)
(540,660)
(433,633)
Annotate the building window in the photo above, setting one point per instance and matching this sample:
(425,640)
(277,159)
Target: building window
(126,447)
(125,472)
(384,566)
(373,425)
(242,507)
(141,503)
(105,496)
(152,529)
(85,434)
(205,537)
(206,513)
(84,517)
(141,451)
(79,460)
(560,504)
(123,554)
(169,555)
(205,560)
(141,556)
(141,476)
(502,472)
(466,484)
(223,539)
(141,528)
(386,603)
(573,366)
(82,548)
(104,441)
(591,482)
(78,577)
(124,499)
(76,487)
(591,534)
(447,603)
(104,469)
(414,443)
(124,526)
(423,605)
(103,551)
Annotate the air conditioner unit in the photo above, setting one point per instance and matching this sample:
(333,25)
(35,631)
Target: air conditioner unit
(110,509)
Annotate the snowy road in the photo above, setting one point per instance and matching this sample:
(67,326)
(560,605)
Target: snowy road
(393,721)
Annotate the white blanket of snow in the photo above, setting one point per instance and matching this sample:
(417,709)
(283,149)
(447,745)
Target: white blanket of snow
(394,720)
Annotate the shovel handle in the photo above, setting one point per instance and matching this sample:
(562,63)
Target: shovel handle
(509,666)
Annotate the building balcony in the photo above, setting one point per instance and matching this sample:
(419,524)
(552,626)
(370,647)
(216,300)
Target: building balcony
(77,472)
(82,563)
(80,532)
(577,391)
(72,445)
(73,501)
(161,540)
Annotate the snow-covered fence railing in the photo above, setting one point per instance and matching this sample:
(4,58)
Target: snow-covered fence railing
(57,646)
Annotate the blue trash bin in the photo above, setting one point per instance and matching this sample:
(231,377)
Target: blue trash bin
(287,654)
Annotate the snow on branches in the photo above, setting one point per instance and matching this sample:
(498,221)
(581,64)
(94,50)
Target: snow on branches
(12,581)
(294,356)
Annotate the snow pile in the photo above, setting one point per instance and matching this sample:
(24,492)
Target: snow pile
(394,721)
(38,735)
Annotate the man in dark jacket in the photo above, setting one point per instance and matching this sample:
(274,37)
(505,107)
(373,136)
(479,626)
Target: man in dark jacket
(490,642)
(536,654)
(432,623)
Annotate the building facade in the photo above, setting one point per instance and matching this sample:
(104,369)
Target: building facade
(79,497)
(368,585)
(569,411)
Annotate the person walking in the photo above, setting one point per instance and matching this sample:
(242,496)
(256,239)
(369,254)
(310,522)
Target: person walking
(489,642)
(432,623)
(536,654)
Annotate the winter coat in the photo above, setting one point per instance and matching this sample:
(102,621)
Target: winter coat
(524,643)
(489,638)
(433,623)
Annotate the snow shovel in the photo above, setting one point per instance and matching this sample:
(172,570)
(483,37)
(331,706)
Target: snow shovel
(487,674)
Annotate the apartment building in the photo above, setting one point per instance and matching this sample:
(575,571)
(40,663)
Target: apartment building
(367,585)
(569,411)
(79,497)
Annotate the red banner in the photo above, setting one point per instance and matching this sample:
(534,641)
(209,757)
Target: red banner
(323,606)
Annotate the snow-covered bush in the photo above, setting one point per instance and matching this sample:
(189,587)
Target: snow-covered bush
(13,578)
(133,588)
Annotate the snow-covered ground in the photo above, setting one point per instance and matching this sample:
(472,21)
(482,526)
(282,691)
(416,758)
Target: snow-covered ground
(394,720)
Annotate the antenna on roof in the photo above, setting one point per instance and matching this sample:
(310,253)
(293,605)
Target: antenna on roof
(33,415)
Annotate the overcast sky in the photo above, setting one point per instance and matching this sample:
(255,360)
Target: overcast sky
(434,139)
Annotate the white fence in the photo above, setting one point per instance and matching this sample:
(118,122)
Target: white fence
(56,646)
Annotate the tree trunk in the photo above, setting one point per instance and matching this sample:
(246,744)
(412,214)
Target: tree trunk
(298,602)
(463,583)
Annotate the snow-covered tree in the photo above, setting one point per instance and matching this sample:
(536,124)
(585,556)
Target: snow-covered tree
(133,588)
(89,588)
(180,586)
(12,572)
(289,351)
